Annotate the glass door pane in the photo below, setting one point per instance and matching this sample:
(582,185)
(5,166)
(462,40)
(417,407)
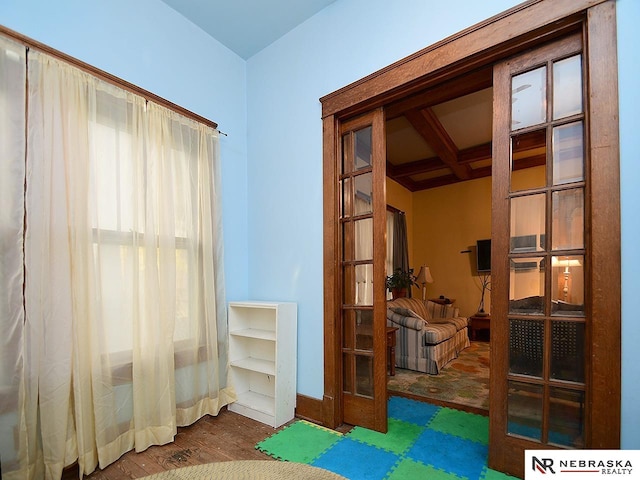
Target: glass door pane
(547,321)
(362,233)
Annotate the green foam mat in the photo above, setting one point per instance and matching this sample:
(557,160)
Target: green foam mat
(423,441)
(400,436)
(300,442)
(462,424)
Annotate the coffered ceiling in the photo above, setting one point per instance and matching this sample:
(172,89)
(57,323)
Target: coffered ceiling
(443,135)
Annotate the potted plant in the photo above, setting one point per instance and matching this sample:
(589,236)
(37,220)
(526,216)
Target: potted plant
(400,281)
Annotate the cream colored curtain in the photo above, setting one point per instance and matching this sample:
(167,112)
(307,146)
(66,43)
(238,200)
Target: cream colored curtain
(12,171)
(125,315)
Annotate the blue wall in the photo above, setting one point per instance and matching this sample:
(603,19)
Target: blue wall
(628,16)
(341,44)
(272,158)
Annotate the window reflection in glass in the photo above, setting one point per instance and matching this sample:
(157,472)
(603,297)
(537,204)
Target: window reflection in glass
(567,289)
(364,239)
(524,416)
(567,87)
(364,329)
(363,194)
(363,142)
(529,160)
(529,98)
(568,153)
(566,417)
(528,216)
(364,375)
(567,219)
(526,286)
(364,284)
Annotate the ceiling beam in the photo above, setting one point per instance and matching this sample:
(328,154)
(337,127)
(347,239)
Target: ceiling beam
(414,168)
(429,127)
(475,154)
(465,85)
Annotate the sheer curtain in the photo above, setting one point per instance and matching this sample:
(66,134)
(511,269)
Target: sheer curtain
(12,171)
(125,316)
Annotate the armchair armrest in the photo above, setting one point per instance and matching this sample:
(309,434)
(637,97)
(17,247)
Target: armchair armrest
(414,323)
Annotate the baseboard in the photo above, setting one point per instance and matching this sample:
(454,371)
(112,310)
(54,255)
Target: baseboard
(309,408)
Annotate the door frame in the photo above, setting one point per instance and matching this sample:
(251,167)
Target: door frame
(524,26)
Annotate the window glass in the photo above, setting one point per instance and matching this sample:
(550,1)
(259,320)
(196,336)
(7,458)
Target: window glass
(568,153)
(526,341)
(568,219)
(529,98)
(567,288)
(528,216)
(567,351)
(566,417)
(524,416)
(529,160)
(567,87)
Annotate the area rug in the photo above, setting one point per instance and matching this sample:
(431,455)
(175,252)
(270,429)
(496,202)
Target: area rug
(247,470)
(463,381)
(423,441)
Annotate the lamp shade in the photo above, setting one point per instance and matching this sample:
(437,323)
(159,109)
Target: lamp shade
(424,276)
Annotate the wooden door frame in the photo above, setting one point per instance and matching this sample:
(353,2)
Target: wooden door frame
(524,26)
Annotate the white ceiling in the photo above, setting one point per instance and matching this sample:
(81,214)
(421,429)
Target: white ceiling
(247,26)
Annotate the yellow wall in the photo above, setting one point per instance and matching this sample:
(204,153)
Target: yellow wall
(447,221)
(443,222)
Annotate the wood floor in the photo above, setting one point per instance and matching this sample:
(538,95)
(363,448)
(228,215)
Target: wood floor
(223,438)
(228,436)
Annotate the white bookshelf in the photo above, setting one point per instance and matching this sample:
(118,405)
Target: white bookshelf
(262,360)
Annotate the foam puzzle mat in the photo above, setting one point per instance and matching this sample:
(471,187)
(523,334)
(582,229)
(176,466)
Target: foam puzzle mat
(423,441)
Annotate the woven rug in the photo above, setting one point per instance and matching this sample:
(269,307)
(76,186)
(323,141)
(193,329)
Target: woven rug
(424,441)
(463,381)
(247,470)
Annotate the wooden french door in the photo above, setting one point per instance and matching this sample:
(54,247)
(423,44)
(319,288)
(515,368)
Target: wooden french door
(518,31)
(543,388)
(362,312)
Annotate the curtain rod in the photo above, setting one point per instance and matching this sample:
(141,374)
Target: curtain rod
(107,77)
(393,209)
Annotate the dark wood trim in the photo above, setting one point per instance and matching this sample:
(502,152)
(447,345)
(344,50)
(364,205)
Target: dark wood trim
(331,411)
(604,205)
(309,408)
(465,85)
(523,26)
(499,360)
(379,151)
(107,77)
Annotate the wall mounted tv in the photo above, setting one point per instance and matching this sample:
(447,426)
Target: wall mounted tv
(483,256)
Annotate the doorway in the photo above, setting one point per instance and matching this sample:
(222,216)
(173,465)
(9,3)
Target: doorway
(530,25)
(439,178)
